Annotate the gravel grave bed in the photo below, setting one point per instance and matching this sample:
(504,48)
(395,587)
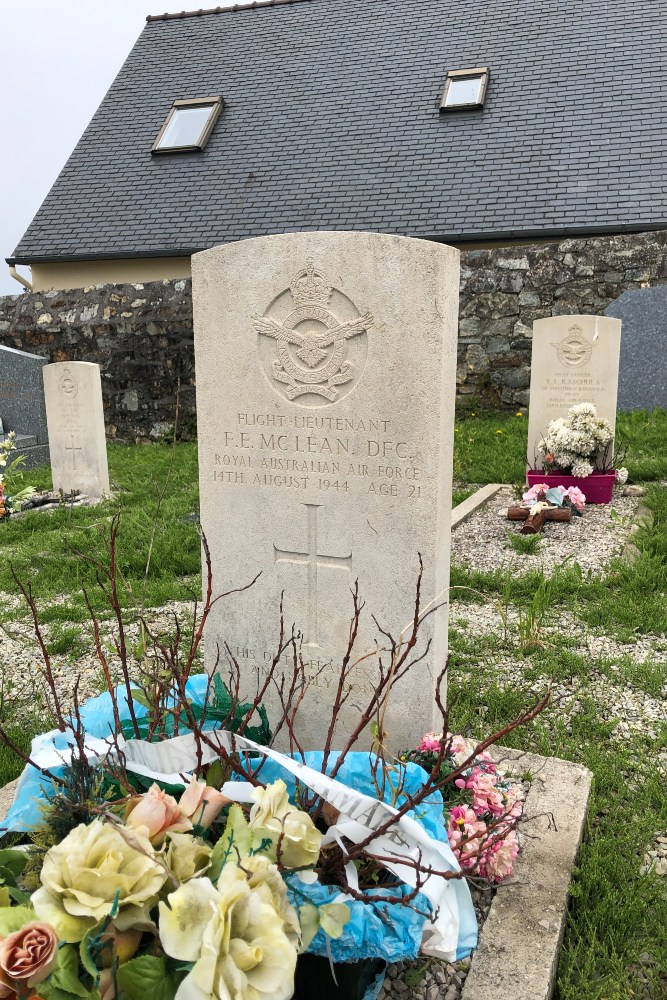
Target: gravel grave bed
(481,542)
(429,979)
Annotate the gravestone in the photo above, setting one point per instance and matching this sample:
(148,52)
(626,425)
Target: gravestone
(574,360)
(325,368)
(642,383)
(22,405)
(77,441)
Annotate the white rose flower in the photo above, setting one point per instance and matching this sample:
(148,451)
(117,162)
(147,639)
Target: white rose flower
(621,476)
(234,936)
(291,832)
(82,875)
(186,856)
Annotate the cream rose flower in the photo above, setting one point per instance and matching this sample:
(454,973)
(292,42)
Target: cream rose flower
(260,871)
(273,818)
(186,856)
(234,936)
(82,875)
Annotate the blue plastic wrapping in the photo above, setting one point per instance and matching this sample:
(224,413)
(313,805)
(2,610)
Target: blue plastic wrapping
(98,720)
(378,930)
(381,930)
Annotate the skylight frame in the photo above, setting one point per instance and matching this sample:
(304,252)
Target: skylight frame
(216,105)
(480,73)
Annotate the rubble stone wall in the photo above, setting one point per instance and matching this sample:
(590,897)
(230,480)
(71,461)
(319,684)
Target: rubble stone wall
(141,335)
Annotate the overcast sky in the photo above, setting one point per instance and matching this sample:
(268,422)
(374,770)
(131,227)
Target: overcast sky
(59,58)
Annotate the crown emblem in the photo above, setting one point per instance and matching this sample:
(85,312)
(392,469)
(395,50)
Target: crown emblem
(311,287)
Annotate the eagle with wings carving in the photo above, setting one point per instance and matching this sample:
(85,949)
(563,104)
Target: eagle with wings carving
(311,346)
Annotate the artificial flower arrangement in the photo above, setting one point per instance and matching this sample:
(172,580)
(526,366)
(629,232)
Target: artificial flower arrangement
(9,504)
(481,809)
(559,496)
(577,452)
(176,853)
(575,444)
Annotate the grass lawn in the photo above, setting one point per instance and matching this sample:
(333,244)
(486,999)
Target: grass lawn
(616,938)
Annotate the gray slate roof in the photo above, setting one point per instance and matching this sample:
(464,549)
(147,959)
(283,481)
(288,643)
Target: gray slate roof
(332,122)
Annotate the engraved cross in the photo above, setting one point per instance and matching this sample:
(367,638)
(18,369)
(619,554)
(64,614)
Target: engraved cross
(73,448)
(313,560)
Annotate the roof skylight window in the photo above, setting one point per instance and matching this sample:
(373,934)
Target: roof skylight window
(465,88)
(188,125)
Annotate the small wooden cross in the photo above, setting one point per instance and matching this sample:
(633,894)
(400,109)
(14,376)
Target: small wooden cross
(534,522)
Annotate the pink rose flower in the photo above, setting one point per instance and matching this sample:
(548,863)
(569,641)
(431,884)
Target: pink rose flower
(457,744)
(429,743)
(157,812)
(28,956)
(466,836)
(499,859)
(532,494)
(201,803)
(577,498)
(106,985)
(486,798)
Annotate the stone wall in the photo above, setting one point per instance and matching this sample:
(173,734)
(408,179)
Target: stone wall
(141,335)
(504,290)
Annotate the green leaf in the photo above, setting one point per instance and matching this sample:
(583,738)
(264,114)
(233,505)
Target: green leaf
(13,918)
(309,918)
(19,897)
(237,837)
(333,917)
(147,977)
(86,951)
(65,977)
(13,861)
(215,775)
(140,698)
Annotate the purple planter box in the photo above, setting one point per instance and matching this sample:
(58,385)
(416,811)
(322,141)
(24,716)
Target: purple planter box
(596,488)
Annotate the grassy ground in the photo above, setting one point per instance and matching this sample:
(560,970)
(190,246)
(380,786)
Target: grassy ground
(491,447)
(616,939)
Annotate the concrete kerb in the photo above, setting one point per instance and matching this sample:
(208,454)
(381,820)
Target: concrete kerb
(518,949)
(520,941)
(474,502)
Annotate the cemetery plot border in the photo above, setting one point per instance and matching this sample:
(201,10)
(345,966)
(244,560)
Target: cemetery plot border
(518,948)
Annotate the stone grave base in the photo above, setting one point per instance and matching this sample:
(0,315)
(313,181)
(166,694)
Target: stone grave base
(520,941)
(478,499)
(53,501)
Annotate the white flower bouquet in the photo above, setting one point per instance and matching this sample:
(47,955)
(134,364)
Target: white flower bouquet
(576,444)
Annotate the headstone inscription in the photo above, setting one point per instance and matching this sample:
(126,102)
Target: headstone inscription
(325,368)
(22,405)
(77,441)
(574,360)
(642,383)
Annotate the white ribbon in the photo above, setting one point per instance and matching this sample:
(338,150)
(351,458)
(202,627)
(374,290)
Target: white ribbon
(405,848)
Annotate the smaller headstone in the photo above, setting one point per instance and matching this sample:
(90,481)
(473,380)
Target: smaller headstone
(22,405)
(574,360)
(75,416)
(642,383)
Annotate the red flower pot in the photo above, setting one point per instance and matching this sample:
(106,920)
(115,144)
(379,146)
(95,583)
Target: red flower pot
(596,488)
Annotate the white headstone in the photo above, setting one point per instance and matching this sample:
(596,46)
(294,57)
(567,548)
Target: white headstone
(75,418)
(575,359)
(325,368)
